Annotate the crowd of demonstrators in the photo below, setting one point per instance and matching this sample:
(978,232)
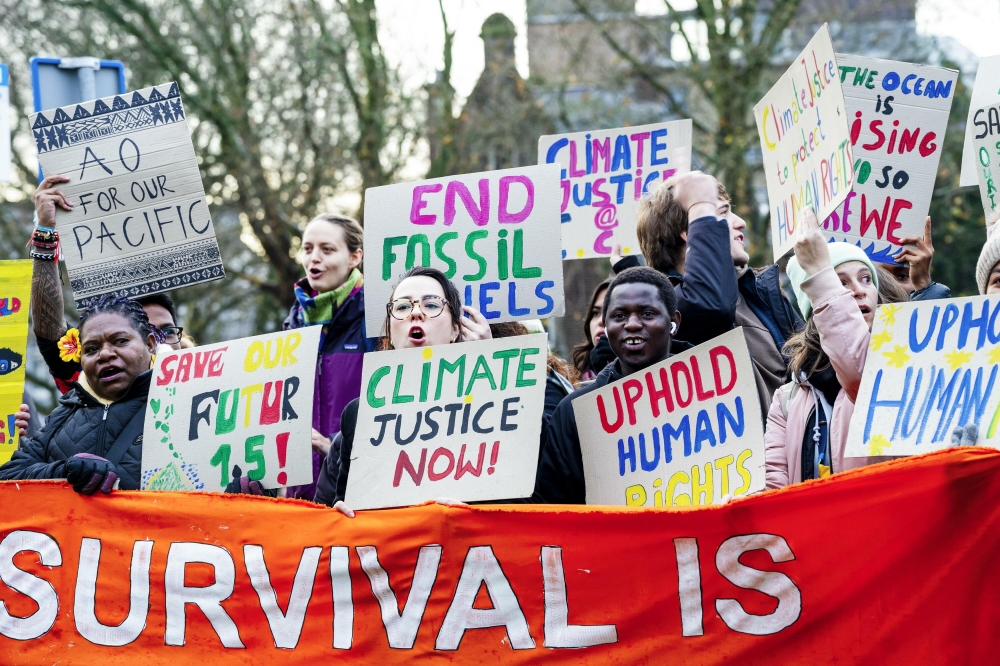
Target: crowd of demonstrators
(331,295)
(688,231)
(697,286)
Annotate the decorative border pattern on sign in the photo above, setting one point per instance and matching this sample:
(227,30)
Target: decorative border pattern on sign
(102,121)
(199,261)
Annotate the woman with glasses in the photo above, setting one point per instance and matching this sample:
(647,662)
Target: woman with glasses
(425,309)
(331,295)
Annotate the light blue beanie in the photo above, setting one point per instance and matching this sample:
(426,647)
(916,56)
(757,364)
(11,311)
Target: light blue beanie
(840,253)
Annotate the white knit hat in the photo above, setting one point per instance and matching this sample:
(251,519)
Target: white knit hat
(989,257)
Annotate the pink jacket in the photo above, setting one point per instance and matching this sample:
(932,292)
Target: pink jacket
(844,336)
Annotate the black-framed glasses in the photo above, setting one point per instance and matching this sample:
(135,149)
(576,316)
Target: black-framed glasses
(172,334)
(431,306)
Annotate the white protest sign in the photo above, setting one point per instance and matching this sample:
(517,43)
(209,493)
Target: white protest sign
(460,421)
(494,234)
(898,114)
(4,124)
(985,92)
(685,431)
(605,173)
(931,366)
(986,147)
(245,402)
(140,222)
(802,122)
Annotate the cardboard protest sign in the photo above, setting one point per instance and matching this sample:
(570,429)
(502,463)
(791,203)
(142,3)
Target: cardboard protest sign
(986,144)
(245,402)
(15,295)
(4,125)
(802,121)
(604,173)
(684,431)
(898,114)
(931,366)
(494,234)
(460,421)
(140,222)
(985,92)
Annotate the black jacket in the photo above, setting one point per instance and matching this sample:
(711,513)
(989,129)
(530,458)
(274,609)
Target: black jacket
(332,483)
(81,424)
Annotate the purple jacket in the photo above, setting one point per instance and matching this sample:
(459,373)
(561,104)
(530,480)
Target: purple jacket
(338,373)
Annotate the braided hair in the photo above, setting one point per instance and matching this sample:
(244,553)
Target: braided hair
(125,307)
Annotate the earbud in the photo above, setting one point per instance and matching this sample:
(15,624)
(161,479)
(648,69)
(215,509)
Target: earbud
(673,327)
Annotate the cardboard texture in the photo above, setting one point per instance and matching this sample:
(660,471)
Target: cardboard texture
(604,173)
(494,234)
(460,421)
(985,92)
(245,402)
(140,222)
(15,297)
(805,141)
(685,431)
(931,367)
(898,114)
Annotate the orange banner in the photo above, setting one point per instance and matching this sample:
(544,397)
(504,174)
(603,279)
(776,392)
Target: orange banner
(884,565)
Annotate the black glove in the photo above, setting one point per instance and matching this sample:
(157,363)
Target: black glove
(88,472)
(601,354)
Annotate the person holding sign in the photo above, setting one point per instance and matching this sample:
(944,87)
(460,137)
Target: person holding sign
(640,319)
(425,310)
(913,268)
(94,438)
(331,295)
(837,289)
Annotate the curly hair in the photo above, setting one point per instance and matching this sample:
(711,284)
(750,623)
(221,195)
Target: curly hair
(127,308)
(659,224)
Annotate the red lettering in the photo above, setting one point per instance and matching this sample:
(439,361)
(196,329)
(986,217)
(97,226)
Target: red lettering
(271,411)
(655,394)
(166,372)
(633,391)
(714,355)
(901,204)
(440,453)
(201,363)
(215,367)
(463,468)
(403,464)
(602,412)
(675,371)
(701,393)
(867,220)
(908,141)
(927,145)
(874,127)
(184,367)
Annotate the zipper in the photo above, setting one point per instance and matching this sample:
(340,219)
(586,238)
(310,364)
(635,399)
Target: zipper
(104,427)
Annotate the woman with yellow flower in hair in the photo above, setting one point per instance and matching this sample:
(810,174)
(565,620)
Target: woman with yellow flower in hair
(94,438)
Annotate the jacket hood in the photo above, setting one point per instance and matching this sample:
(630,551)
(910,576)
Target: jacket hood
(83,395)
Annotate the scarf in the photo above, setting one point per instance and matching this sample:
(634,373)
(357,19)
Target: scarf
(320,308)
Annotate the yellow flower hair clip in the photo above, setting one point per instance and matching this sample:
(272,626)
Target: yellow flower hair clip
(69,346)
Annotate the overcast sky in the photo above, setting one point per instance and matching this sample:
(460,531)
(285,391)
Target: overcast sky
(412,33)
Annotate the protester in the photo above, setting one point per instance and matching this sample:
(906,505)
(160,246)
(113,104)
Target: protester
(94,437)
(913,267)
(838,289)
(424,309)
(58,342)
(640,319)
(331,295)
(688,231)
(988,266)
(587,358)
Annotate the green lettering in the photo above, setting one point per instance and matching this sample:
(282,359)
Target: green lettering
(388,256)
(439,251)
(481,371)
(421,241)
(425,381)
(469,250)
(443,367)
(519,258)
(506,355)
(227,423)
(523,366)
(373,400)
(398,399)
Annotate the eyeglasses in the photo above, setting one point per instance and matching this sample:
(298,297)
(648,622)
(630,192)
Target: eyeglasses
(431,306)
(172,334)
